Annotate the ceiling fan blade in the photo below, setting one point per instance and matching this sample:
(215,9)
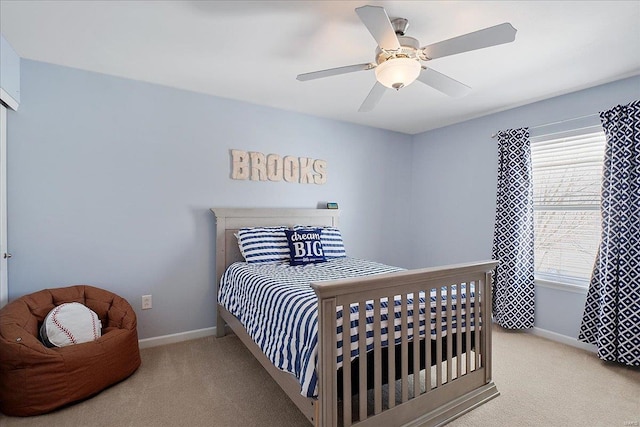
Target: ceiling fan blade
(377,21)
(334,71)
(443,83)
(492,36)
(375,94)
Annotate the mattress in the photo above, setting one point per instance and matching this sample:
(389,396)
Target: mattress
(278,309)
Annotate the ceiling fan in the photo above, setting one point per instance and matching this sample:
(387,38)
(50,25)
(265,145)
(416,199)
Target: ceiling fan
(398,56)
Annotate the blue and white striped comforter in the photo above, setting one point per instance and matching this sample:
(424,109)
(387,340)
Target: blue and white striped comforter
(278,308)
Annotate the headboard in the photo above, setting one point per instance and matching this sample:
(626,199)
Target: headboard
(228,221)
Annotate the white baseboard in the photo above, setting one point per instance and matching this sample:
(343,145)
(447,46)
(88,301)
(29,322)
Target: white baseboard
(554,336)
(201,333)
(174,338)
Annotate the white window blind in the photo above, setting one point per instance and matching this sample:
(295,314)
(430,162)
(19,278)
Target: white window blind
(567,179)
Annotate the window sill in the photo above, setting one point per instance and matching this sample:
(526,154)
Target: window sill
(562,286)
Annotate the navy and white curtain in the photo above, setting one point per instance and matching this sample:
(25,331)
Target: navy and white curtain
(611,318)
(513,285)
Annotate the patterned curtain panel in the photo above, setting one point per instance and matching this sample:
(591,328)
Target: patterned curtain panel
(513,286)
(611,317)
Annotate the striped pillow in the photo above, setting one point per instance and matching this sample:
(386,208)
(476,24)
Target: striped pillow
(331,240)
(263,244)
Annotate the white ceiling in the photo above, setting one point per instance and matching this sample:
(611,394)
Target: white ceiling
(253,50)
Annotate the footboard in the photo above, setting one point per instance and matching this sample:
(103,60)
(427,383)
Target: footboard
(456,317)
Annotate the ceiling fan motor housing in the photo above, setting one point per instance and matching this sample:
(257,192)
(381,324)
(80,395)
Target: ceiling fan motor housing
(409,48)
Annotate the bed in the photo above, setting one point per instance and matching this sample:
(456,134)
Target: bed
(393,375)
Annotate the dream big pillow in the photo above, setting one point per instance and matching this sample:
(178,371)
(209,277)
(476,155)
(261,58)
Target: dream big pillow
(70,323)
(305,246)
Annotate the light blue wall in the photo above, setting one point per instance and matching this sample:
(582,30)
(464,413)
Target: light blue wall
(454,175)
(110,182)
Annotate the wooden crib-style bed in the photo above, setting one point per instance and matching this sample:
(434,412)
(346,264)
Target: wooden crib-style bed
(451,357)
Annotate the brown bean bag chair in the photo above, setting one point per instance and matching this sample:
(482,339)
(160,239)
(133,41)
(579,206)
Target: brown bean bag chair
(35,379)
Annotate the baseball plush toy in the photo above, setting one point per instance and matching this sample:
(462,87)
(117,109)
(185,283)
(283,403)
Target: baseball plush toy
(70,323)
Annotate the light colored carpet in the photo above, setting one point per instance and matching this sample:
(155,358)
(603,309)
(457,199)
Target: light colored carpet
(217,382)
(544,383)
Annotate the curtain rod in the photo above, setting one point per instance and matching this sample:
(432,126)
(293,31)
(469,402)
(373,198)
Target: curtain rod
(555,123)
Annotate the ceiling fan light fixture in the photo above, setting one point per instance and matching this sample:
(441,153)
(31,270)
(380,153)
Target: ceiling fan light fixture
(396,73)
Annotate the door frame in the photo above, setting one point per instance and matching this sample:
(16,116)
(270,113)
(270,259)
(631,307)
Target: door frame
(4,254)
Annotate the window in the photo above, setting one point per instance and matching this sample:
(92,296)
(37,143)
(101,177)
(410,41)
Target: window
(567,179)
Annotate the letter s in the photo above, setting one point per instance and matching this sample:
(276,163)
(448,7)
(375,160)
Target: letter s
(320,167)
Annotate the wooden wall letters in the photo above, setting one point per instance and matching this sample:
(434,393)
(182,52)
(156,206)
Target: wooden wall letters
(272,167)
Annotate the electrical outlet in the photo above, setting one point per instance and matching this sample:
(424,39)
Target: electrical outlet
(146,302)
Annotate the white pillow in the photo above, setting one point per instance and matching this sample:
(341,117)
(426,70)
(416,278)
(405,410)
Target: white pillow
(70,323)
